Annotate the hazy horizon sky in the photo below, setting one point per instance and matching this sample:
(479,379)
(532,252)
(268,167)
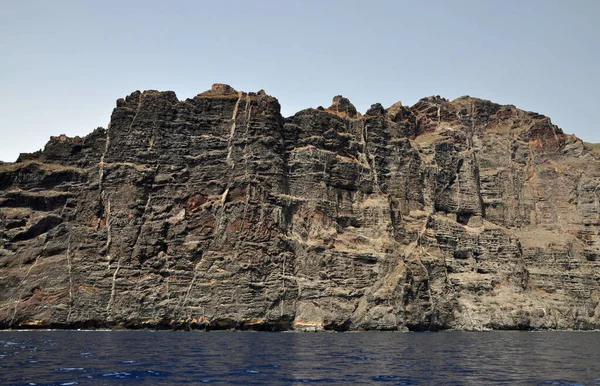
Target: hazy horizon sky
(64,63)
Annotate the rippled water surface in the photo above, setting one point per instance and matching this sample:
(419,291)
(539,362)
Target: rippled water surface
(161,358)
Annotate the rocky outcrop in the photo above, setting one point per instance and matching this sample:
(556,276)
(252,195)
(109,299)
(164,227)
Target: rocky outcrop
(216,212)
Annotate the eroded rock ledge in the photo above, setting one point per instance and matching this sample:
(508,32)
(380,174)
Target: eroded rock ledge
(216,212)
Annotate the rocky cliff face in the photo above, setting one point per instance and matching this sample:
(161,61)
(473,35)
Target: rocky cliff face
(216,212)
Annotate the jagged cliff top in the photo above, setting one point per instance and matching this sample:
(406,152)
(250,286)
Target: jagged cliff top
(431,115)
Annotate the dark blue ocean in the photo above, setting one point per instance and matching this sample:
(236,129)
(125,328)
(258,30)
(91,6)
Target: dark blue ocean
(167,358)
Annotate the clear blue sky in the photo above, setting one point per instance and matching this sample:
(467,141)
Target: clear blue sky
(64,63)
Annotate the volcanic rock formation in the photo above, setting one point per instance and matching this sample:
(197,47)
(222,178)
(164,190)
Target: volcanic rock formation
(216,212)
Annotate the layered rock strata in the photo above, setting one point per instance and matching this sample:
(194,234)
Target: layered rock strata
(216,212)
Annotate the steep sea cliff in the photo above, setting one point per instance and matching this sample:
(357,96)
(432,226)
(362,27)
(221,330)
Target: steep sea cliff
(216,212)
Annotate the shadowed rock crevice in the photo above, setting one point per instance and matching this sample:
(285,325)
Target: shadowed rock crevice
(215,213)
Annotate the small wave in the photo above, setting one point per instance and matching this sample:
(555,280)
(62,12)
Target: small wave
(307,380)
(269,366)
(133,374)
(398,380)
(117,374)
(361,358)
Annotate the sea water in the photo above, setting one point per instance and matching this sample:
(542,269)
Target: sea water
(245,358)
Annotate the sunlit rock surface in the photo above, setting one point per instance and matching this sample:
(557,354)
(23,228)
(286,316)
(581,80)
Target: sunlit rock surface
(216,212)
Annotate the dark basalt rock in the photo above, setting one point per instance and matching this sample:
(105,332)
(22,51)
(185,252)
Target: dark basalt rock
(343,107)
(215,212)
